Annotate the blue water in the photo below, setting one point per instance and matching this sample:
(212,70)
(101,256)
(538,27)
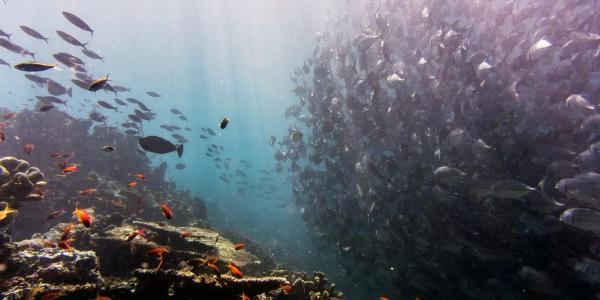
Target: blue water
(209,59)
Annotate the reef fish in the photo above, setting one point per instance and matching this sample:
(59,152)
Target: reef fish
(4,213)
(224,123)
(159,145)
(83,216)
(235,270)
(166,210)
(28,149)
(34,66)
(98,84)
(239,246)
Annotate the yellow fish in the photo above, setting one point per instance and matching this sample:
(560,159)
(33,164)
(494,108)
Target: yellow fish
(7,210)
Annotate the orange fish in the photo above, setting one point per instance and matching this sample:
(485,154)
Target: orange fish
(384,298)
(103,298)
(244,297)
(4,213)
(212,259)
(166,210)
(235,270)
(140,176)
(70,169)
(214,268)
(286,288)
(185,234)
(157,251)
(65,245)
(239,246)
(55,214)
(83,216)
(132,184)
(66,231)
(53,295)
(87,192)
(28,149)
(132,236)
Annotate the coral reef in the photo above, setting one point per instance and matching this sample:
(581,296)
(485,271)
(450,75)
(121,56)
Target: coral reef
(19,181)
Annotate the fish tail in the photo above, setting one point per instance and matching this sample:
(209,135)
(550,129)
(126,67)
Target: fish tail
(83,45)
(70,92)
(46,40)
(92,33)
(180,150)
(57,68)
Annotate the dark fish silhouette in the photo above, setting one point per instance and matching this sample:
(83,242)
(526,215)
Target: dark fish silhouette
(120,102)
(97,117)
(75,20)
(51,99)
(12,47)
(56,89)
(121,88)
(70,39)
(224,123)
(82,84)
(98,84)
(180,166)
(46,108)
(2,62)
(33,33)
(91,54)
(34,66)
(68,59)
(159,145)
(36,79)
(153,94)
(2,33)
(107,105)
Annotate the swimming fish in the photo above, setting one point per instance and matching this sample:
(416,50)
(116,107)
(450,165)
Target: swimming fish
(153,94)
(98,84)
(77,21)
(132,184)
(140,176)
(66,231)
(108,148)
(33,33)
(4,213)
(34,66)
(83,216)
(235,271)
(46,108)
(70,39)
(55,214)
(70,169)
(28,149)
(157,251)
(159,145)
(91,54)
(139,232)
(166,210)
(185,234)
(87,192)
(239,246)
(224,123)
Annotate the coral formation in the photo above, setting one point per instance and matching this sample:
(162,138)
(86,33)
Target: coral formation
(19,181)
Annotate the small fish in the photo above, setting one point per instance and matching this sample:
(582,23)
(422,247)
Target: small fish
(75,20)
(28,149)
(166,210)
(108,148)
(185,234)
(235,271)
(224,123)
(55,214)
(102,298)
(91,54)
(286,288)
(83,216)
(157,251)
(239,246)
(244,297)
(52,295)
(98,84)
(33,33)
(159,145)
(132,184)
(383,298)
(46,108)
(107,105)
(4,213)
(139,232)
(214,268)
(153,94)
(87,192)
(34,66)
(140,176)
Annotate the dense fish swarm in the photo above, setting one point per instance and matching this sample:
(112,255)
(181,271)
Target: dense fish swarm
(449,148)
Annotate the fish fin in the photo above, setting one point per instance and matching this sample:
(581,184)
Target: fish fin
(46,40)
(57,68)
(180,150)
(92,33)
(70,92)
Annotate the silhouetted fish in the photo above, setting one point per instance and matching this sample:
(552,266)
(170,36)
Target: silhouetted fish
(68,59)
(120,102)
(33,33)
(82,84)
(56,89)
(2,33)
(36,78)
(91,54)
(34,66)
(153,94)
(107,105)
(159,145)
(75,20)
(70,39)
(51,99)
(3,62)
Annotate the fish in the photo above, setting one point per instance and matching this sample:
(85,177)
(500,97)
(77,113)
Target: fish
(108,148)
(33,33)
(244,297)
(52,295)
(88,191)
(140,176)
(51,99)
(46,108)
(214,268)
(34,66)
(56,89)
(98,84)
(75,20)
(132,184)
(383,298)
(70,39)
(166,210)
(159,145)
(286,288)
(120,102)
(239,246)
(97,117)
(92,54)
(153,94)
(28,149)
(132,236)
(224,123)
(65,244)
(582,218)
(5,212)
(185,234)
(83,216)
(37,79)
(235,271)
(180,166)
(4,34)
(158,251)
(68,60)
(55,214)
(83,84)
(106,105)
